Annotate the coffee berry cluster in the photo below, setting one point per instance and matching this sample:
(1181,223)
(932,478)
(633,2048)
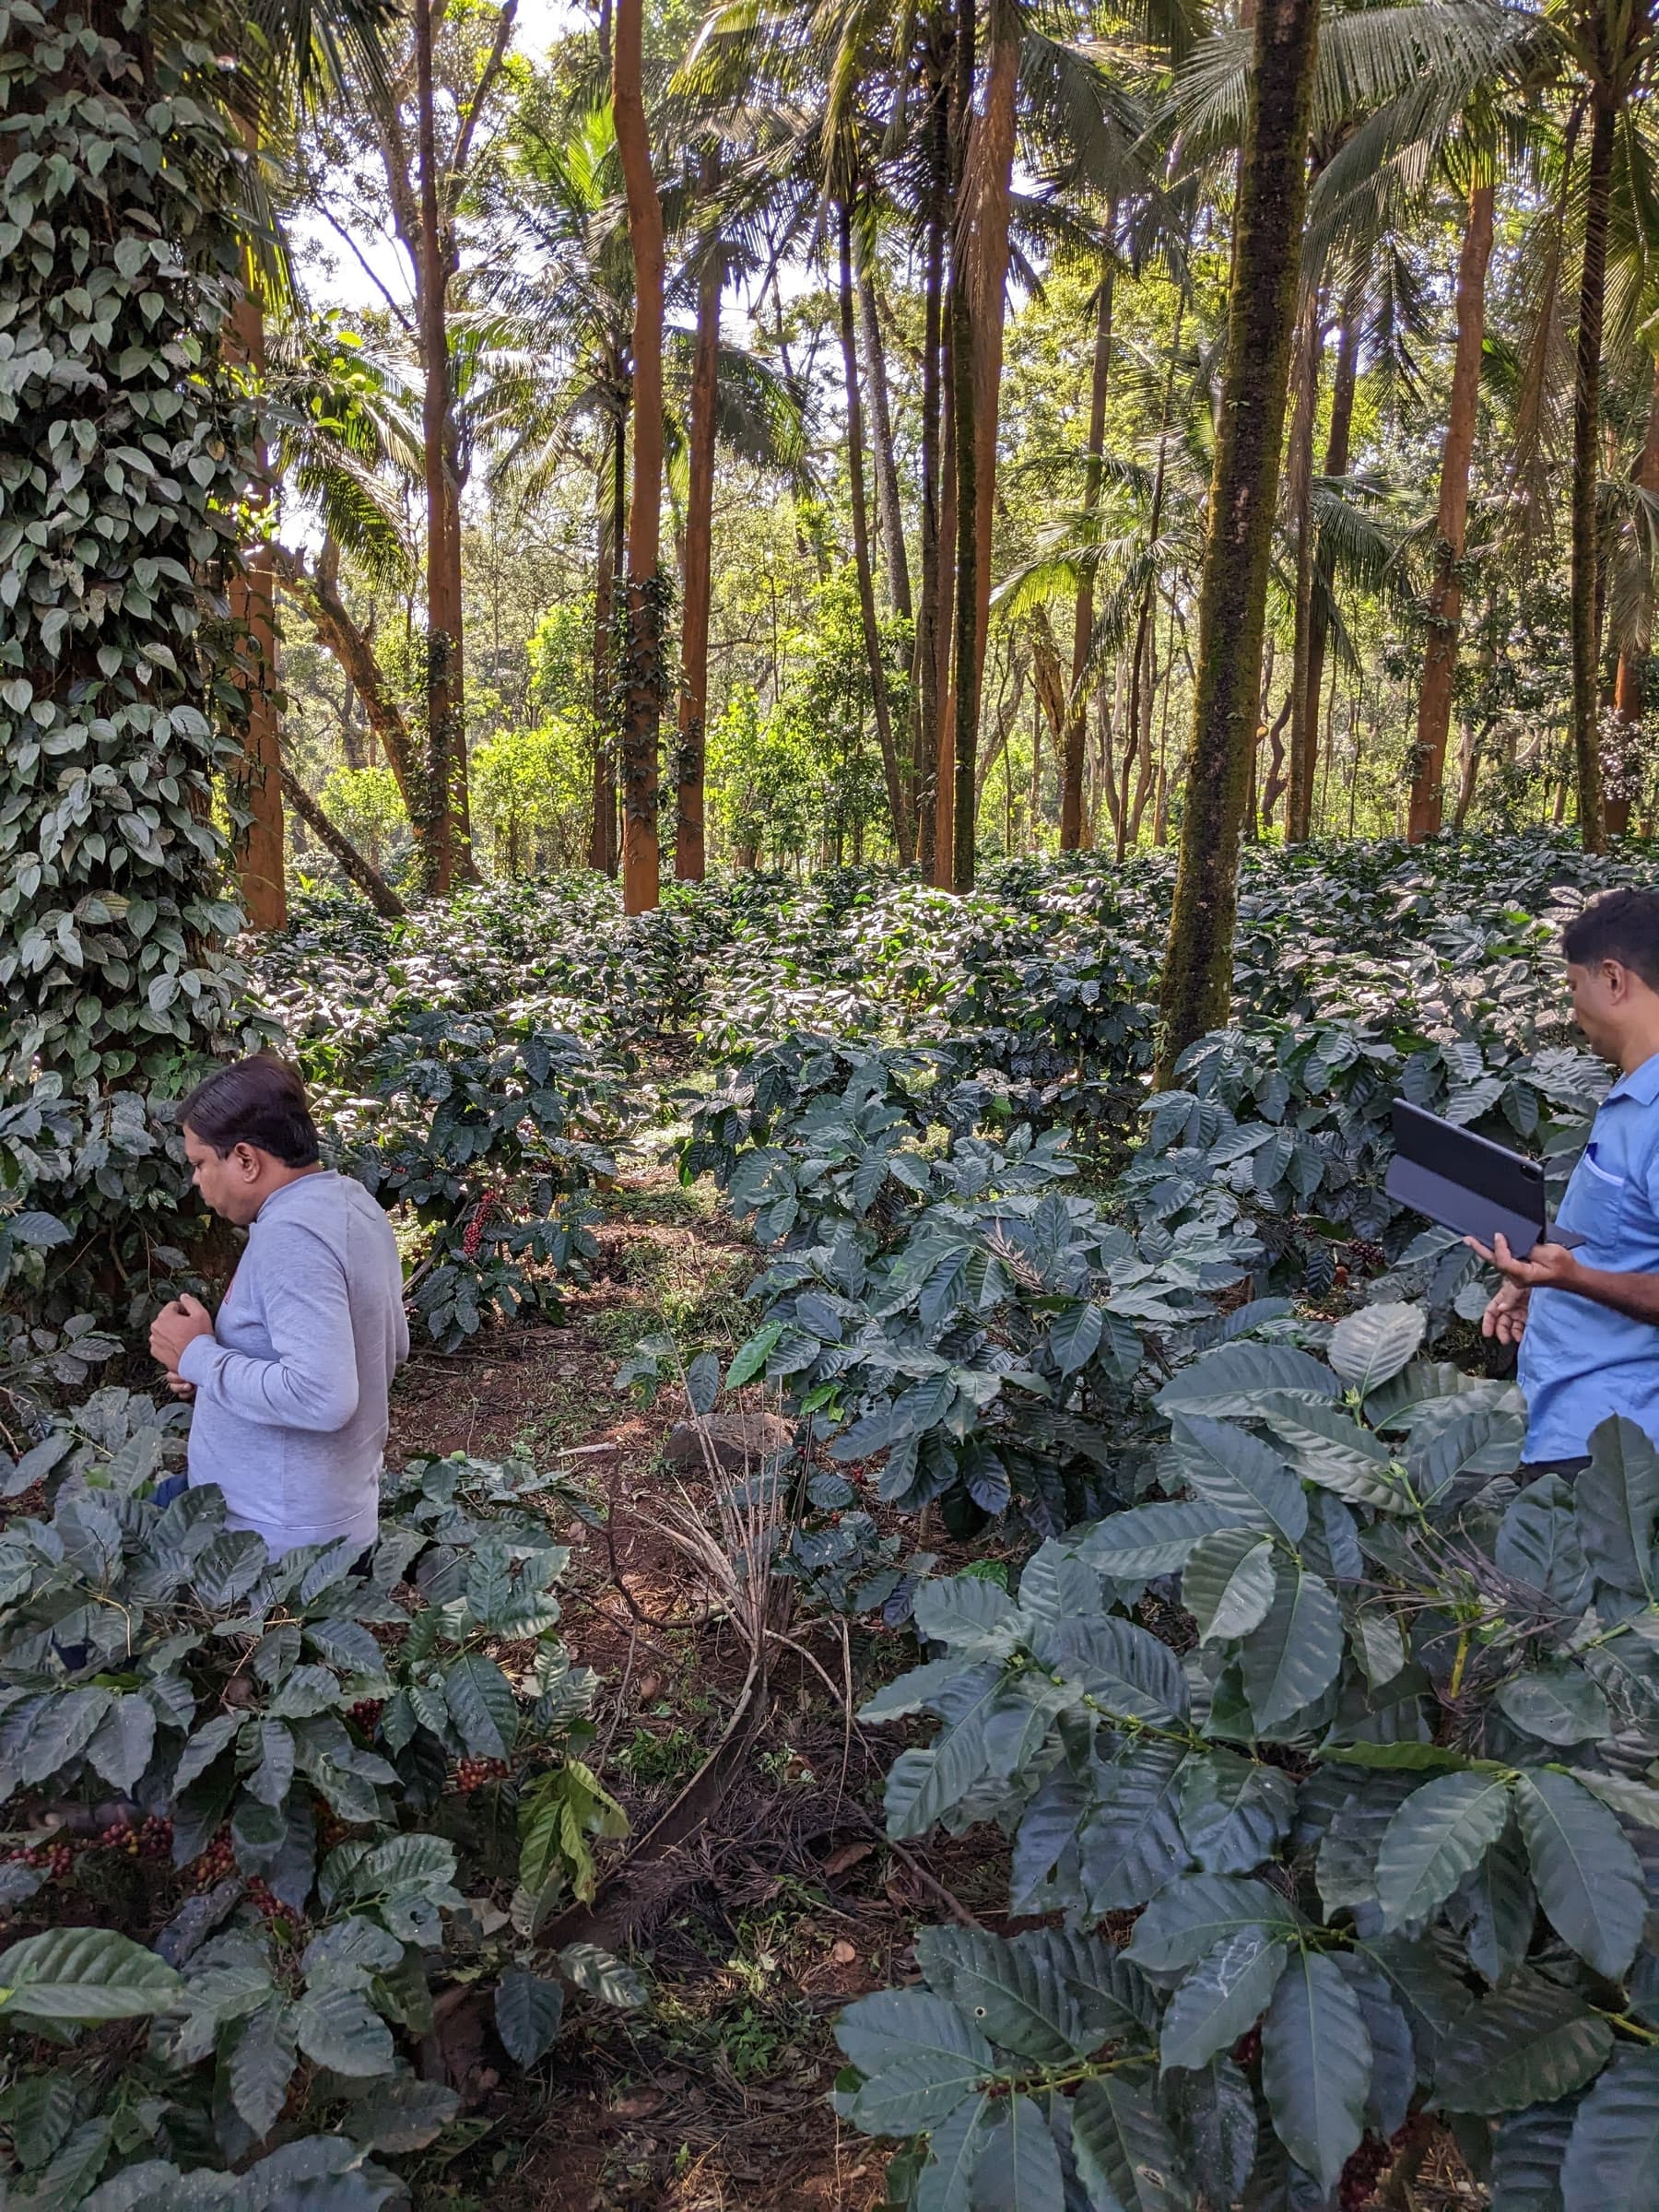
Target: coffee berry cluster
(53,1860)
(472,1773)
(472,1236)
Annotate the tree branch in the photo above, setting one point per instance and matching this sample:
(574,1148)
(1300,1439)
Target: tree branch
(368,878)
(319,594)
(469,121)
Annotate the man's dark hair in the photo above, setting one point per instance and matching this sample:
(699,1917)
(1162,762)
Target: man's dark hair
(259,1101)
(1620,926)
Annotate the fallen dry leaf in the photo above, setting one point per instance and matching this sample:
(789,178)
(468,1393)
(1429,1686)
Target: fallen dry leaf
(848,1855)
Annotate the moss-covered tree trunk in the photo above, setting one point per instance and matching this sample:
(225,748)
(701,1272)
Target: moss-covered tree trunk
(1338,437)
(612,524)
(1197,979)
(879,702)
(925,675)
(642,651)
(1457,454)
(1307,347)
(983,226)
(889,504)
(1586,437)
(126,462)
(444,728)
(1629,688)
(688,855)
(1076,716)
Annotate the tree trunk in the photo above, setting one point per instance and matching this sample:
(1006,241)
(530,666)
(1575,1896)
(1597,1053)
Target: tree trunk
(861,554)
(689,860)
(1445,593)
(957,727)
(888,507)
(444,560)
(367,878)
(1144,655)
(1197,981)
(1298,502)
(643,675)
(944,641)
(924,681)
(613,513)
(983,228)
(1337,439)
(1586,405)
(1631,687)
(318,591)
(464,867)
(260,875)
(1076,721)
(1469,771)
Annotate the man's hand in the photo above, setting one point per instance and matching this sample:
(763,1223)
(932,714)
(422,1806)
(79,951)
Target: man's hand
(1546,1266)
(174,1328)
(1505,1317)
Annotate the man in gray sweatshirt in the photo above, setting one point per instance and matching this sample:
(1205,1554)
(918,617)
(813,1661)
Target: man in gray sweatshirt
(291,1380)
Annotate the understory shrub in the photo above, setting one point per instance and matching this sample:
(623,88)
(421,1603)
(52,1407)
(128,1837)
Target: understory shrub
(1379,1798)
(276,1810)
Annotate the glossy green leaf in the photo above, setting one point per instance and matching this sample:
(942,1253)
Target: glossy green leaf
(1316,2062)
(1295,1655)
(1371,1347)
(1589,1879)
(1221,1999)
(1226,1585)
(1529,2043)
(1612,2159)
(1232,1469)
(1437,1835)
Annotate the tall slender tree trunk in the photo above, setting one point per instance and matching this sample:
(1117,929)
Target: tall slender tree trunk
(261,879)
(643,675)
(962,698)
(612,528)
(1586,411)
(1298,502)
(464,866)
(1197,980)
(983,222)
(1344,384)
(1445,593)
(444,732)
(889,506)
(944,638)
(1076,720)
(688,858)
(1143,656)
(924,685)
(860,553)
(1630,687)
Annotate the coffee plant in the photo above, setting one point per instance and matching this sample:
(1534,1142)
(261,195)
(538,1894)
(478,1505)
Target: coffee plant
(297,1788)
(1377,1795)
(489,1133)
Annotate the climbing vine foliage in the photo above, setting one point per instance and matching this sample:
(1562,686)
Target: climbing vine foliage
(126,452)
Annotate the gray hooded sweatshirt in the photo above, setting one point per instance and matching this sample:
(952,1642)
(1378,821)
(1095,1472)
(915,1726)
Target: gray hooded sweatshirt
(291,1414)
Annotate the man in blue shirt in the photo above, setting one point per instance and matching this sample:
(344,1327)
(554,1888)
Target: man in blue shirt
(1587,1320)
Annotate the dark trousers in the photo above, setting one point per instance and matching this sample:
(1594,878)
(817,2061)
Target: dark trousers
(1568,1469)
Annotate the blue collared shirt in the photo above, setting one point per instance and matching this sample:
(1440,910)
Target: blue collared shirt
(1580,1362)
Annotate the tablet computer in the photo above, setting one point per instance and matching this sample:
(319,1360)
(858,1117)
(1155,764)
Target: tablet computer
(1467,1182)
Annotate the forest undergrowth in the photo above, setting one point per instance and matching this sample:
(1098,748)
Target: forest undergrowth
(955,1635)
